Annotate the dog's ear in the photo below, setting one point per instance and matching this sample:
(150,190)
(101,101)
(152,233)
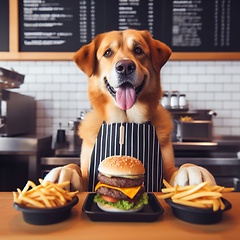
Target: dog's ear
(160,52)
(85,58)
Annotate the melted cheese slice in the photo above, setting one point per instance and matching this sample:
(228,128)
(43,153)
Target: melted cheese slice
(130,192)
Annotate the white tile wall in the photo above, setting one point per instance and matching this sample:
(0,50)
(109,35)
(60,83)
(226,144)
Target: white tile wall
(60,90)
(209,85)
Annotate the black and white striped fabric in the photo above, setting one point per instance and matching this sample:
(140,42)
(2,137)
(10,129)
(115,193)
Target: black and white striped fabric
(140,141)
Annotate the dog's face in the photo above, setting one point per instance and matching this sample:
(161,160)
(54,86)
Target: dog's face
(123,69)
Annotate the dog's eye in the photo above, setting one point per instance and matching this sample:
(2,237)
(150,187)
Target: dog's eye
(138,50)
(108,53)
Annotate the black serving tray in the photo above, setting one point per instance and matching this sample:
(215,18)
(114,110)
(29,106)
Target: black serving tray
(149,213)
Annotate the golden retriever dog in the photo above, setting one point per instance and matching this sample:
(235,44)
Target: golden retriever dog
(123,68)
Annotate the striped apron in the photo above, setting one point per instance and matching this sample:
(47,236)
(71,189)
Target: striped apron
(140,141)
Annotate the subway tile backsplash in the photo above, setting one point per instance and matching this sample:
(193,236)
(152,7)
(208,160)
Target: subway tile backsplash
(60,90)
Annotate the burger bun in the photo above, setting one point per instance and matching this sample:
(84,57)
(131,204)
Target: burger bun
(121,166)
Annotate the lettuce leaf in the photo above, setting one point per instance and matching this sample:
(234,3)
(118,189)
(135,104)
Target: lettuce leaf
(123,204)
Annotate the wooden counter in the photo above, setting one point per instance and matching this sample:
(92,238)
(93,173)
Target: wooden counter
(78,226)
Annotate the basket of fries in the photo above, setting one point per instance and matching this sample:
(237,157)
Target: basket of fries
(199,204)
(46,203)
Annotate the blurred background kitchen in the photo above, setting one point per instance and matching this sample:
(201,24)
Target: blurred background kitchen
(209,90)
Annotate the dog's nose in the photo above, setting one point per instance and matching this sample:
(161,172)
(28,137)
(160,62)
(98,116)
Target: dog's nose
(125,67)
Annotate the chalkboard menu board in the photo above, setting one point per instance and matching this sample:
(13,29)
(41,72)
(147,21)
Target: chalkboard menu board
(186,26)
(4,25)
(67,25)
(203,25)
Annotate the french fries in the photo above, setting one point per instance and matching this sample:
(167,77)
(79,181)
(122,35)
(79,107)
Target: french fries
(44,195)
(202,195)
(186,119)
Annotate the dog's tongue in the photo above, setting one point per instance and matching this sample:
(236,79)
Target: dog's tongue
(125,96)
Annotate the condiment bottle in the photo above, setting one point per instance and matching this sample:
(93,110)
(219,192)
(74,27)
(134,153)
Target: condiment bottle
(174,101)
(182,101)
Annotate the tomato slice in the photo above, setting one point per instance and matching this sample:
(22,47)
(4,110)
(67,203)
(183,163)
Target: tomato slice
(109,199)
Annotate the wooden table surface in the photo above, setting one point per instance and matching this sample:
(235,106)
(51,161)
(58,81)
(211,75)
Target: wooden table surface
(79,226)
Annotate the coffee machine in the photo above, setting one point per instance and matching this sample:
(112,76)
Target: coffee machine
(17,114)
(17,111)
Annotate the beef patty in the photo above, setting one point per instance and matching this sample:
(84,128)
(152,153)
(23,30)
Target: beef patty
(119,195)
(120,181)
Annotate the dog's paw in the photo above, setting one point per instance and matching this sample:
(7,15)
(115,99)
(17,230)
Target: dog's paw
(66,173)
(190,174)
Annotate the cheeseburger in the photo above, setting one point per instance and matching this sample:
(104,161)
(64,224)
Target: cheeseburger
(120,187)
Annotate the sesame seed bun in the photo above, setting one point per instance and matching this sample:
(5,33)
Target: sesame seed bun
(121,166)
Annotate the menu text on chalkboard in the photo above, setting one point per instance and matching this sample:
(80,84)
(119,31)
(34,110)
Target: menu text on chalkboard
(184,25)
(4,25)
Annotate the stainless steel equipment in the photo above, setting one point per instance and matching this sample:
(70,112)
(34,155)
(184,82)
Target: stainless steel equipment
(74,125)
(17,114)
(20,159)
(220,157)
(198,130)
(10,79)
(193,126)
